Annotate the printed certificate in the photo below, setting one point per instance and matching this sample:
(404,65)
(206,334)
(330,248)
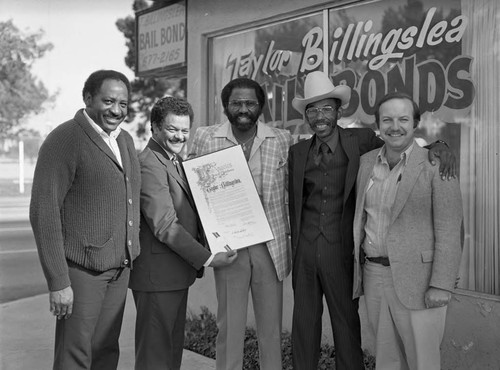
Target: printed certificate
(227,201)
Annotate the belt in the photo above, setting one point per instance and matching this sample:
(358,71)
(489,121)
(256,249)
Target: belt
(384,261)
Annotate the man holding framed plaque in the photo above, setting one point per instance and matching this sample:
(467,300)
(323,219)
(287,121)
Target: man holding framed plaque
(259,268)
(171,239)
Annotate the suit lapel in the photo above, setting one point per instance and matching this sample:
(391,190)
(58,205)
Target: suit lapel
(180,172)
(351,147)
(124,152)
(170,167)
(95,137)
(219,139)
(184,184)
(300,158)
(266,150)
(364,177)
(363,180)
(409,178)
(266,141)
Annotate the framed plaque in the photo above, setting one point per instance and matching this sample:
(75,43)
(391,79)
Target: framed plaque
(227,201)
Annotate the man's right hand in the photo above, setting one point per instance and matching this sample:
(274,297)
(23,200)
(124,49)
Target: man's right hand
(61,303)
(223,259)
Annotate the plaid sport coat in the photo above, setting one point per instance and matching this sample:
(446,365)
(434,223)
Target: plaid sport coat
(274,144)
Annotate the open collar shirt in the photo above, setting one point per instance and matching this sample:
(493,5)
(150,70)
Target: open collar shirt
(380,195)
(110,139)
(254,162)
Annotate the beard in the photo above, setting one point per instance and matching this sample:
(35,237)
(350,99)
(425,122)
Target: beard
(243,121)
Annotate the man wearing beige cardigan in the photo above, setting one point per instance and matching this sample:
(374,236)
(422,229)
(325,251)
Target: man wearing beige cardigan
(407,235)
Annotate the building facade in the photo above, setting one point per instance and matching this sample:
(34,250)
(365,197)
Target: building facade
(445,54)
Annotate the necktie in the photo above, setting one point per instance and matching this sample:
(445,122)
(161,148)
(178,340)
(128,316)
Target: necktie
(176,163)
(324,154)
(174,160)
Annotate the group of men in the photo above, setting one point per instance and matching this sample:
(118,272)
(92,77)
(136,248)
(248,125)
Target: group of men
(106,219)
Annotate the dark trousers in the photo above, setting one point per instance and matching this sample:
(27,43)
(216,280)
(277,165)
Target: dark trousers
(159,329)
(320,269)
(89,338)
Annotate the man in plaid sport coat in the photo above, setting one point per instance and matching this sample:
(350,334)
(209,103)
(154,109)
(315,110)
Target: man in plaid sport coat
(260,268)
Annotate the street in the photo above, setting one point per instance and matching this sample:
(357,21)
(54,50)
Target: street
(20,271)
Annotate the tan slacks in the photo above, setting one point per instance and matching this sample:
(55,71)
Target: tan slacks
(405,339)
(252,271)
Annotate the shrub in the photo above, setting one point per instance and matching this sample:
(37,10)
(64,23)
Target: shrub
(201,333)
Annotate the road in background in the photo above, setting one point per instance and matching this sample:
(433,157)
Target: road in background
(20,271)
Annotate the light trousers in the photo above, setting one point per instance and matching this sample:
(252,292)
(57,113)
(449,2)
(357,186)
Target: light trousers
(252,271)
(405,339)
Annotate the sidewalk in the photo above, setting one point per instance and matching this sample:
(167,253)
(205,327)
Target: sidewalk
(15,208)
(27,337)
(27,326)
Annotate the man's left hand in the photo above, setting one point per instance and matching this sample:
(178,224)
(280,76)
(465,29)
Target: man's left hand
(448,166)
(435,297)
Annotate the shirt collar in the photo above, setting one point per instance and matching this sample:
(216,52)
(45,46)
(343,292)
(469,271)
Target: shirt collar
(113,134)
(263,131)
(331,142)
(381,157)
(169,155)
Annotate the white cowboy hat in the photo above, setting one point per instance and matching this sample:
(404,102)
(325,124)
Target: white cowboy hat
(318,86)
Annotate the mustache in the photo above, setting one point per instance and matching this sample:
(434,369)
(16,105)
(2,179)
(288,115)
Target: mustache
(175,141)
(321,122)
(244,115)
(112,115)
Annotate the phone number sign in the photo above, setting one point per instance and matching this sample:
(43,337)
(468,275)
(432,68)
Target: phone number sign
(161,39)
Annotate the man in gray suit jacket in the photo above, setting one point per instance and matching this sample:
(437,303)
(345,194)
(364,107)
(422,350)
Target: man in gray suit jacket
(407,227)
(171,239)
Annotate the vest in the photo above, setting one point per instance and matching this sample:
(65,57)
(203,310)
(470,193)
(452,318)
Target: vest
(323,197)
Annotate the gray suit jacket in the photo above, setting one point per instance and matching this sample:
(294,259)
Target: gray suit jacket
(424,236)
(171,247)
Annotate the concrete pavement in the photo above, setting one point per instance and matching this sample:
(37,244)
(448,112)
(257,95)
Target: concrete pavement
(27,327)
(27,337)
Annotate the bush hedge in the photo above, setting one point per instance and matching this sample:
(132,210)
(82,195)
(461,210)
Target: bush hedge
(201,333)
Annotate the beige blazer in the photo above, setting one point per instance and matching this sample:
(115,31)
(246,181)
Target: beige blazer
(424,236)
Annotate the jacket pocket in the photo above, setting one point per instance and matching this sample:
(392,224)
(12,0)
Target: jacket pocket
(102,257)
(427,256)
(282,163)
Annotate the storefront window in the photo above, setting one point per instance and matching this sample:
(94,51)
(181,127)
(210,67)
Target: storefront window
(271,55)
(444,54)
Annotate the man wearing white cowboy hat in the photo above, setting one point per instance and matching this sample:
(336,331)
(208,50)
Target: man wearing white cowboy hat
(322,174)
